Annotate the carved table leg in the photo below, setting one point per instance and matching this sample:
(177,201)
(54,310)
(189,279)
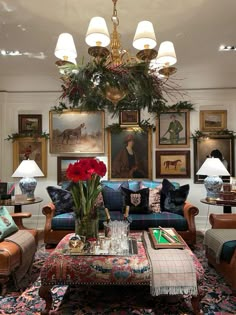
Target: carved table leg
(45,293)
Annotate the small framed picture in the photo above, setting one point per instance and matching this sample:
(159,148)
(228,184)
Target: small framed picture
(25,148)
(172,130)
(62,164)
(129,117)
(173,164)
(213,120)
(30,124)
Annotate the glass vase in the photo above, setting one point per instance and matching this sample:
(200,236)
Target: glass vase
(87,227)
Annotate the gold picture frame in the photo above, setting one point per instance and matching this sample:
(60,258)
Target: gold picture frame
(30,148)
(213,120)
(117,154)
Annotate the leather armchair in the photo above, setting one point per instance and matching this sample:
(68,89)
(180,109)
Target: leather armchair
(10,253)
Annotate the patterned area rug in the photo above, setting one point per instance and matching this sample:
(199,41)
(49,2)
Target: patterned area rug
(112,300)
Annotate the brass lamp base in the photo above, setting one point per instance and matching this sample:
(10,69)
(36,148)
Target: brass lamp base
(167,71)
(146,54)
(98,51)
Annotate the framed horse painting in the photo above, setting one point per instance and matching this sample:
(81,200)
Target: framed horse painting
(175,164)
(77,132)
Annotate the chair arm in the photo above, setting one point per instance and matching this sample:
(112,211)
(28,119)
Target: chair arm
(17,217)
(48,211)
(190,212)
(223,221)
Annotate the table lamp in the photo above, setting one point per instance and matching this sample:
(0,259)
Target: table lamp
(213,168)
(28,169)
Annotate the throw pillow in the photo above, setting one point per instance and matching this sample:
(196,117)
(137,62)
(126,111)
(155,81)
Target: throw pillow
(138,201)
(154,197)
(112,195)
(7,224)
(172,198)
(62,199)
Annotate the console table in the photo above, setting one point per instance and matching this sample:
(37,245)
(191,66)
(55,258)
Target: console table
(61,269)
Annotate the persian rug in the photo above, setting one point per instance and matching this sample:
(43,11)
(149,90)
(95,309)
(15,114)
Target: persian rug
(115,300)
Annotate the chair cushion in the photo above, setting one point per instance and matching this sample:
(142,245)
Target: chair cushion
(138,201)
(173,199)
(163,219)
(228,250)
(7,224)
(62,199)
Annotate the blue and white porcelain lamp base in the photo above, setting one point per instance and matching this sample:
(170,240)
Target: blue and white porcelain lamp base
(27,186)
(213,185)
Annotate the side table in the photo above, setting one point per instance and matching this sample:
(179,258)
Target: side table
(20,201)
(226,204)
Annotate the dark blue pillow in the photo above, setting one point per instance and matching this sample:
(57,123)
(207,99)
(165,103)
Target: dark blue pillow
(62,199)
(112,195)
(138,200)
(172,198)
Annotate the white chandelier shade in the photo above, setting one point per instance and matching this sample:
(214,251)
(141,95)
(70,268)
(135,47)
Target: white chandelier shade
(144,37)
(97,33)
(65,48)
(166,54)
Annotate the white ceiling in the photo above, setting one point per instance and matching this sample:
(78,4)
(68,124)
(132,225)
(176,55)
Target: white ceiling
(197,28)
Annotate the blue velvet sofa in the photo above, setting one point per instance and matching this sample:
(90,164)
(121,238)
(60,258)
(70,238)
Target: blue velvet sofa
(116,196)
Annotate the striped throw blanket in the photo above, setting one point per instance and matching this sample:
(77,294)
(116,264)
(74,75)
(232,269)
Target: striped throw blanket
(214,239)
(25,240)
(173,270)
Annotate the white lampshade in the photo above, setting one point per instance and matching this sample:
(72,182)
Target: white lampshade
(166,54)
(213,167)
(97,33)
(28,169)
(144,36)
(65,48)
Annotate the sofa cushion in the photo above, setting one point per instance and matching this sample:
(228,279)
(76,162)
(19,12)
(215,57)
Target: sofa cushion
(61,198)
(112,195)
(173,199)
(7,224)
(163,219)
(228,251)
(138,201)
(154,195)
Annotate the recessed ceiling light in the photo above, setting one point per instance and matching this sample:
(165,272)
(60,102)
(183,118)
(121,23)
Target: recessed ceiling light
(227,48)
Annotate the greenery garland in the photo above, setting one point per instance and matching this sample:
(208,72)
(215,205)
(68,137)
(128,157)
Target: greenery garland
(200,134)
(86,88)
(32,134)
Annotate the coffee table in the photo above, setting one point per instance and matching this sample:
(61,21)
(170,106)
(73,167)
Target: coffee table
(75,270)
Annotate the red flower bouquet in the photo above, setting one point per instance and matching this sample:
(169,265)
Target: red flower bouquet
(85,175)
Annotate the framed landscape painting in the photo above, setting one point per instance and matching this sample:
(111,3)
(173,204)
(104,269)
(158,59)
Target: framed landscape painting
(77,132)
(205,147)
(213,120)
(62,164)
(129,154)
(30,148)
(172,130)
(30,123)
(129,117)
(173,164)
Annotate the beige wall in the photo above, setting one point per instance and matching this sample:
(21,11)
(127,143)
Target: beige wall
(14,103)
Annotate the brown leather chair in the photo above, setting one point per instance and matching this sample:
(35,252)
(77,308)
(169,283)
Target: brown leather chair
(226,269)
(10,253)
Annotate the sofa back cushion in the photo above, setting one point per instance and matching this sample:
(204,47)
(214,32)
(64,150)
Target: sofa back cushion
(112,195)
(172,198)
(138,201)
(7,224)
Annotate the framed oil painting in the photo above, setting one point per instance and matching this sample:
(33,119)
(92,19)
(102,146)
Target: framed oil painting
(172,130)
(213,120)
(30,148)
(129,154)
(217,146)
(77,132)
(129,117)
(173,164)
(30,124)
(62,164)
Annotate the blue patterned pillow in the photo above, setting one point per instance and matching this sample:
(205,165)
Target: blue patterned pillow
(7,224)
(62,199)
(112,195)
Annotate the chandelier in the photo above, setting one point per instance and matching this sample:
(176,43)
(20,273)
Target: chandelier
(107,74)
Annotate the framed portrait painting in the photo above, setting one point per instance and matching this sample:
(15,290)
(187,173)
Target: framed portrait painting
(172,130)
(213,120)
(77,132)
(214,146)
(30,124)
(129,154)
(30,148)
(129,117)
(173,164)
